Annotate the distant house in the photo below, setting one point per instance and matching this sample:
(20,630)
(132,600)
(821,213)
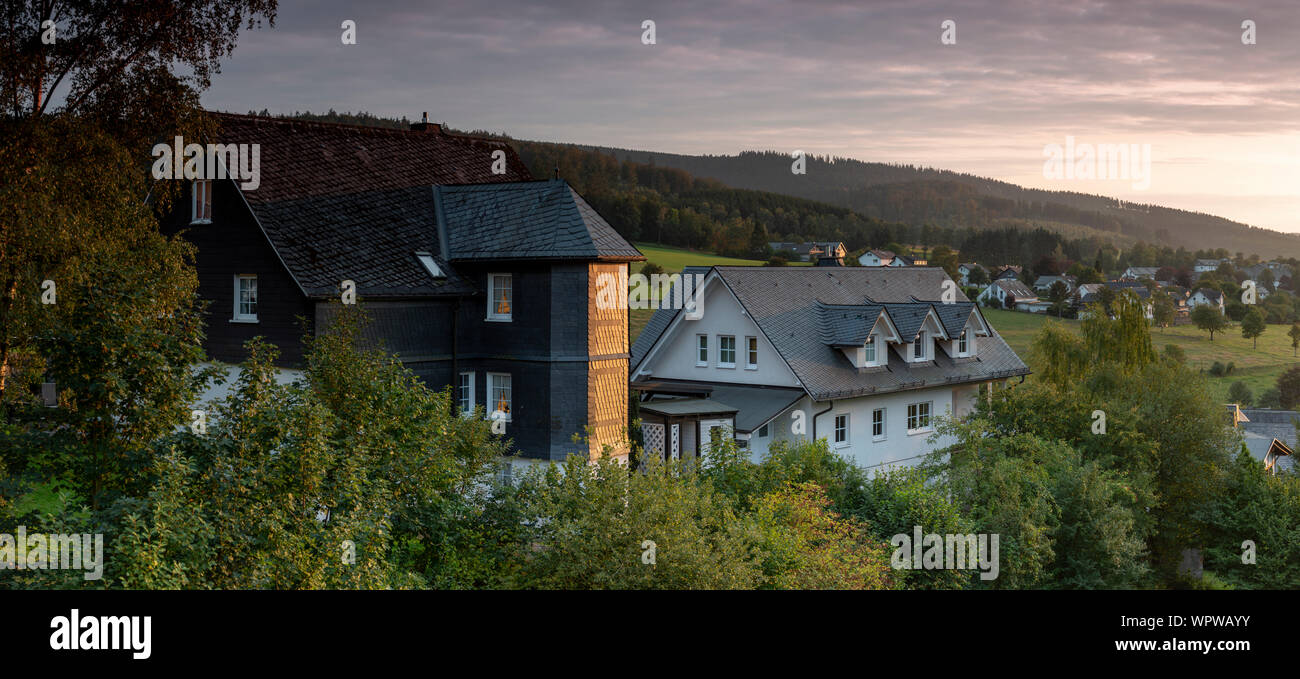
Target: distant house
(964,271)
(812,251)
(866,358)
(1007,272)
(1207,265)
(1270,436)
(1205,296)
(904,260)
(877,258)
(1179,296)
(1012,294)
(1090,293)
(1134,273)
(1044,283)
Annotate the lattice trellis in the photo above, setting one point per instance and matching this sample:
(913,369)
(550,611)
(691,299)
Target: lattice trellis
(653,435)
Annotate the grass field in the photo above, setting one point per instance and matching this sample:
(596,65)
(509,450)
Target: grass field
(1258,368)
(673,260)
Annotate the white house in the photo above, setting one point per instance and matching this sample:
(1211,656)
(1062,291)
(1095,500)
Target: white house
(877,258)
(1134,273)
(865,358)
(1205,296)
(1012,294)
(1206,265)
(964,271)
(1044,283)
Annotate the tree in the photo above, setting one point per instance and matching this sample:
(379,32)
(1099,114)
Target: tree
(1252,326)
(1288,388)
(945,257)
(1294,334)
(1058,294)
(978,276)
(1208,317)
(1162,309)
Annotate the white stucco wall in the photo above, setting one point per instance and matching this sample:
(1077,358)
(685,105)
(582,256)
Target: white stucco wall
(896,447)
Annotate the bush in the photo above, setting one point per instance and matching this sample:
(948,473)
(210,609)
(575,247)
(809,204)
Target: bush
(650,268)
(1216,370)
(777,260)
(1240,394)
(1175,353)
(1271,398)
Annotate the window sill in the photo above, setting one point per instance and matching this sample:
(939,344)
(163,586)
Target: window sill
(878,439)
(506,319)
(918,432)
(728,366)
(751,367)
(200,221)
(842,444)
(701,365)
(244,320)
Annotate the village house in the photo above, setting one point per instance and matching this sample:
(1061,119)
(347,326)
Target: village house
(1007,272)
(1134,273)
(811,252)
(1044,283)
(865,358)
(1206,296)
(477,277)
(1012,294)
(964,271)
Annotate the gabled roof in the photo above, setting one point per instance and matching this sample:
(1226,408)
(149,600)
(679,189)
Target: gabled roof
(1210,294)
(848,325)
(346,202)
(1016,288)
(787,304)
(527,220)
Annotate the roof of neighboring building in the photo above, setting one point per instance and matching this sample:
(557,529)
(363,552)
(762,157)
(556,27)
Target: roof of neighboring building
(687,406)
(787,304)
(1015,287)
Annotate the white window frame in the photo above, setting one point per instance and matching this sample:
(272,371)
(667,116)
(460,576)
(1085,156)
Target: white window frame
(198,216)
(884,426)
(468,408)
(238,316)
(490,406)
(431,266)
(751,352)
(919,347)
(840,434)
(763,431)
(701,351)
(914,417)
(492,314)
(722,362)
(963,343)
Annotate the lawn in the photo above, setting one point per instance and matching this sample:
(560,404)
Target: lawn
(1258,368)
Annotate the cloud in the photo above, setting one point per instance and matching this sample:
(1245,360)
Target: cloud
(866,80)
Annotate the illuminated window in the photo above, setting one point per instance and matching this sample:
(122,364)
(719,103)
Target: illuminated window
(201,202)
(499,389)
(500,297)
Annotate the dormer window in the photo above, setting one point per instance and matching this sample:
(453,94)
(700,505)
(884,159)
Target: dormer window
(963,346)
(201,202)
(869,355)
(920,349)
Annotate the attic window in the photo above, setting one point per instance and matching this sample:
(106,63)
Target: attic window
(429,265)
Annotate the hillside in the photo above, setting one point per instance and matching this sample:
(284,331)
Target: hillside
(916,195)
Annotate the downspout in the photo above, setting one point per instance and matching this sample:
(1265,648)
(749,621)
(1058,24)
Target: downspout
(817,415)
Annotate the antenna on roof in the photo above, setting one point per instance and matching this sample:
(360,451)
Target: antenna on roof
(557,170)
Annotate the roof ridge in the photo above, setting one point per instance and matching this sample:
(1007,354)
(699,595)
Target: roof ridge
(369,129)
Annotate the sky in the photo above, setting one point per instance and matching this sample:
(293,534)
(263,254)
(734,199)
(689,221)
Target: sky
(867,80)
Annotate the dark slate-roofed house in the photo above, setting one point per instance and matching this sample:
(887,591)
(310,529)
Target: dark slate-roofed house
(478,279)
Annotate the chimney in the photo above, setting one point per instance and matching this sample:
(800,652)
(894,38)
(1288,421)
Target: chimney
(425,126)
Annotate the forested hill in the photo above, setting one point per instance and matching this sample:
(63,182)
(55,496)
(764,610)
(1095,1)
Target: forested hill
(916,195)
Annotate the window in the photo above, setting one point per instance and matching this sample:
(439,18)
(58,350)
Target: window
(841,429)
(878,423)
(201,202)
(918,347)
(918,416)
(727,351)
(465,393)
(702,353)
(962,344)
(751,353)
(429,265)
(762,432)
(498,395)
(245,298)
(500,297)
(870,350)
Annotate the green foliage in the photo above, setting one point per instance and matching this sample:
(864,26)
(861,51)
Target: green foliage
(1240,394)
(1252,326)
(1265,510)
(807,546)
(1207,317)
